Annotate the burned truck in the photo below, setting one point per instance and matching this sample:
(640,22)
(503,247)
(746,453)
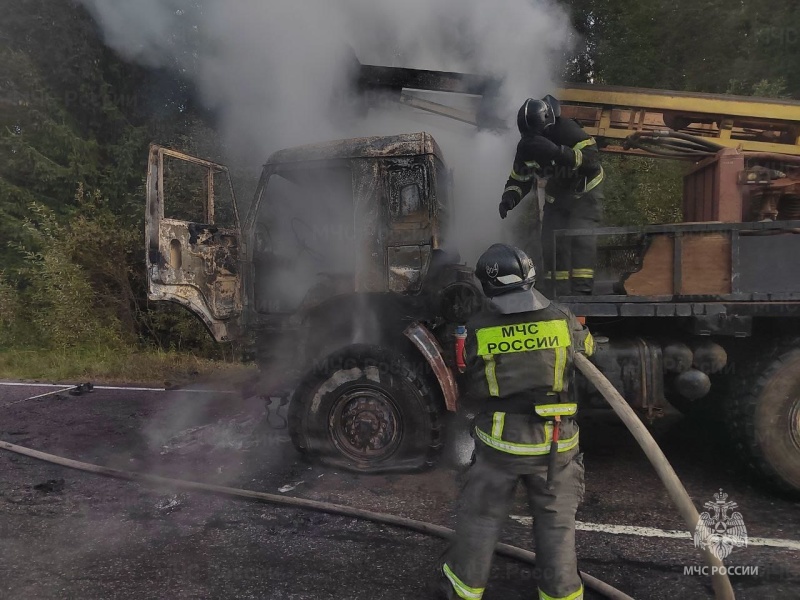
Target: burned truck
(338,277)
(353,301)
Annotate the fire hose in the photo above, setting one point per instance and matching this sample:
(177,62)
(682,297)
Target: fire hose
(677,493)
(422,527)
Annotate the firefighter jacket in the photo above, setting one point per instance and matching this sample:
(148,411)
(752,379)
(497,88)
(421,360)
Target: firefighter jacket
(521,363)
(566,156)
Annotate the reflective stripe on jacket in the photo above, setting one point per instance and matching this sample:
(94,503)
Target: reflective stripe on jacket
(499,439)
(581,175)
(524,355)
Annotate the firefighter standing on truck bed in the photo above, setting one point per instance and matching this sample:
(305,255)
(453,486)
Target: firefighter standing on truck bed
(559,150)
(519,353)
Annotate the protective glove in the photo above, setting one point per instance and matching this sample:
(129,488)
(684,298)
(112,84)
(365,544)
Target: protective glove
(544,151)
(508,202)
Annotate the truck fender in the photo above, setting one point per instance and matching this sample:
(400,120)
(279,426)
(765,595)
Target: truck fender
(429,346)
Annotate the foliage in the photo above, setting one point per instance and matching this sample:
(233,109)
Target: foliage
(74,116)
(642,191)
(99,364)
(10,323)
(748,47)
(61,303)
(79,287)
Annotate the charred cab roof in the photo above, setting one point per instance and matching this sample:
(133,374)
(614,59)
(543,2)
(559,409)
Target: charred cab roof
(407,144)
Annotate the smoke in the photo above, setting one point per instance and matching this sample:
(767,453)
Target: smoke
(269,70)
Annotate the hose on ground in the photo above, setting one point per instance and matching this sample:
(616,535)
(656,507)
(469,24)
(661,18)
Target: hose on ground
(334,509)
(677,493)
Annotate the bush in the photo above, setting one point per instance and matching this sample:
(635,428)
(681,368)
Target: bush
(83,284)
(55,294)
(9,313)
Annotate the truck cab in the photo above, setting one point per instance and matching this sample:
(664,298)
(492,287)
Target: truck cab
(335,278)
(352,216)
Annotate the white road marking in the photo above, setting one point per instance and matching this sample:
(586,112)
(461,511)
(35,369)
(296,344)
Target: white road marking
(144,389)
(65,388)
(110,387)
(660,533)
(49,393)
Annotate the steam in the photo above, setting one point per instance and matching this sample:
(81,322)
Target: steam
(269,70)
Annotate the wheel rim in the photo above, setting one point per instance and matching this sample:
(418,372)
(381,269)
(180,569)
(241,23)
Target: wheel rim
(794,423)
(365,424)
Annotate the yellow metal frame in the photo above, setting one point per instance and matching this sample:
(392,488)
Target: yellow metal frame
(751,124)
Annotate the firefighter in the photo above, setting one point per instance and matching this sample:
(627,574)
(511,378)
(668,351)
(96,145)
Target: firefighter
(518,354)
(559,150)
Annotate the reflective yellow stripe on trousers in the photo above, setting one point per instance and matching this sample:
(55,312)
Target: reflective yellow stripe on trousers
(573,596)
(559,275)
(461,588)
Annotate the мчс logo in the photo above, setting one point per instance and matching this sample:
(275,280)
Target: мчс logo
(718,531)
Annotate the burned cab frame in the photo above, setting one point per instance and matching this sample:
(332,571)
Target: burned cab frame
(336,277)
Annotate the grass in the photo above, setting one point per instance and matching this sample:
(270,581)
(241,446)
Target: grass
(107,365)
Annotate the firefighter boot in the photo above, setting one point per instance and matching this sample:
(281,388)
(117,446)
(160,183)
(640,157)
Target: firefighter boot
(442,590)
(551,288)
(582,282)
(564,288)
(440,587)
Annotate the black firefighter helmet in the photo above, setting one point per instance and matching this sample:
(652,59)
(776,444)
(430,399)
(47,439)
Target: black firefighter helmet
(535,116)
(507,275)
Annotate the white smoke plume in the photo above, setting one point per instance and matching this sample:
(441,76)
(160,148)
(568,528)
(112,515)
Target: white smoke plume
(268,69)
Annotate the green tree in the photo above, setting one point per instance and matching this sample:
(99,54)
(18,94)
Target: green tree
(75,116)
(689,45)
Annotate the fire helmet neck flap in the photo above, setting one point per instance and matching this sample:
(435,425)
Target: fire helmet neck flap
(507,275)
(535,116)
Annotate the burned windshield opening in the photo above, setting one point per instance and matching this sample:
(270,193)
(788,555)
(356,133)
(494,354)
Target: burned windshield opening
(303,235)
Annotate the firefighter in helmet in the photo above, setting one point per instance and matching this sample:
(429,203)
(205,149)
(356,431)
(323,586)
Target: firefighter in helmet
(559,150)
(519,356)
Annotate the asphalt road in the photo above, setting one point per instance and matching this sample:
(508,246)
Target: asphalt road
(67,534)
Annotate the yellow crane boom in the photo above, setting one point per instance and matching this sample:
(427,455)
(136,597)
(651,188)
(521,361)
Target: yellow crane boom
(613,113)
(609,113)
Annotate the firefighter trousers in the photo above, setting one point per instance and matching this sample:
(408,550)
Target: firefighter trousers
(572,260)
(484,507)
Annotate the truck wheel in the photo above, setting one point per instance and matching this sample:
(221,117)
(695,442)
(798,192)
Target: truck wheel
(366,409)
(764,422)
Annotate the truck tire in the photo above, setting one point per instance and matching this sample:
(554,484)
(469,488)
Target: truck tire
(764,421)
(367,409)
